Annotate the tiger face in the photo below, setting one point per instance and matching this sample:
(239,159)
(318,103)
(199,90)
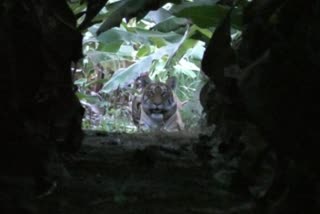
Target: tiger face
(157,107)
(158,102)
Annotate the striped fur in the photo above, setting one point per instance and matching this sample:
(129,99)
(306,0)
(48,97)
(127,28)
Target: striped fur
(157,108)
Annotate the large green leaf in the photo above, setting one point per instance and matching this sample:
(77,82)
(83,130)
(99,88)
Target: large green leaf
(144,51)
(206,13)
(99,56)
(170,37)
(112,47)
(203,31)
(172,24)
(181,48)
(158,16)
(120,35)
(181,51)
(201,12)
(136,36)
(196,52)
(131,8)
(123,77)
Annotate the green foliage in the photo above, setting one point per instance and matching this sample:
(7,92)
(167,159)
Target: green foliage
(124,39)
(127,9)
(207,14)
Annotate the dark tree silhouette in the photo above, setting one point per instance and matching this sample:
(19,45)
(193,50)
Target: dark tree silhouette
(270,80)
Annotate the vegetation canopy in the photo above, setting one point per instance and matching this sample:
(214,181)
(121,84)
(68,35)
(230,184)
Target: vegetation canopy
(125,39)
(258,63)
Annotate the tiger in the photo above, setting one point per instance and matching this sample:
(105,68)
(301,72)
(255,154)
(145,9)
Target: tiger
(157,108)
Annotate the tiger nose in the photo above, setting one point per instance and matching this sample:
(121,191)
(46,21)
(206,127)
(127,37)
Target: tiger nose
(157,105)
(157,101)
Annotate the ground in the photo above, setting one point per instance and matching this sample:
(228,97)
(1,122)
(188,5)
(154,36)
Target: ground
(139,173)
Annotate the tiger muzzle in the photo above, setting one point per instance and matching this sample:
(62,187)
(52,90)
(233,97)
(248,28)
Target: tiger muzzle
(157,112)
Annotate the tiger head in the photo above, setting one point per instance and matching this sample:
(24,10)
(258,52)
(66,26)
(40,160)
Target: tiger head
(158,102)
(158,106)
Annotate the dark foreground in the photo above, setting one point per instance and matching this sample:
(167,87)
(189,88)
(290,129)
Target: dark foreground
(122,173)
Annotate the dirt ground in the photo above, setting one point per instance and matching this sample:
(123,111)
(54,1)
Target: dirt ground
(134,173)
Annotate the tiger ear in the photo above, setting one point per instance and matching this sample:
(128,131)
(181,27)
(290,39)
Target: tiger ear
(142,81)
(145,80)
(172,82)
